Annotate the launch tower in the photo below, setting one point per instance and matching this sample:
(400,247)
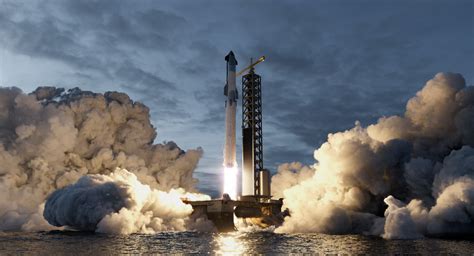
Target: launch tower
(255,179)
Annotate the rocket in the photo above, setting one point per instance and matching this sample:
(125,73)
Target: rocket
(230,91)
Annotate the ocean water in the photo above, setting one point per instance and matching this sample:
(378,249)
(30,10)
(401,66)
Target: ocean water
(235,243)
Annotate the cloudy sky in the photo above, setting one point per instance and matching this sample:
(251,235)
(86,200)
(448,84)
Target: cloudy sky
(329,63)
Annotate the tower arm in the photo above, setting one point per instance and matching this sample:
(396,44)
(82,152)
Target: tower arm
(261,59)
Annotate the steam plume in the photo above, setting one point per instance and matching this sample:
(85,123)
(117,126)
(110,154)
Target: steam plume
(49,139)
(420,165)
(119,203)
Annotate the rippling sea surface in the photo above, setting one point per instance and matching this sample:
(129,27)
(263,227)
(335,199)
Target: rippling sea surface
(56,243)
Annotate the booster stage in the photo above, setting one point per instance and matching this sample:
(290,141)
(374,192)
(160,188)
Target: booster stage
(255,205)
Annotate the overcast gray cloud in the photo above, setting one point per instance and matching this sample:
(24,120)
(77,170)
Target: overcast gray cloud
(329,63)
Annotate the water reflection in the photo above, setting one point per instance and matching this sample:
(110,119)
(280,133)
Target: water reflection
(236,243)
(229,244)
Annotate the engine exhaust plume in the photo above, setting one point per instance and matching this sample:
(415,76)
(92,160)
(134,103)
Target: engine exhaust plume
(230,181)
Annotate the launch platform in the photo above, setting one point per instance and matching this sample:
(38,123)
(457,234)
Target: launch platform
(254,210)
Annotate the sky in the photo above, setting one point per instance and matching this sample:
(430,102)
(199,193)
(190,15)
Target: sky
(328,63)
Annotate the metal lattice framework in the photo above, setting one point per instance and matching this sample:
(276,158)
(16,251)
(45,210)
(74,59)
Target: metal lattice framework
(252,124)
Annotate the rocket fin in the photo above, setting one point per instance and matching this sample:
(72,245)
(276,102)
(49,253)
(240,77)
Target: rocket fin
(225,90)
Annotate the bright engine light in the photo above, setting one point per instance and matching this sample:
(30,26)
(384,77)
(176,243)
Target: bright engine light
(230,181)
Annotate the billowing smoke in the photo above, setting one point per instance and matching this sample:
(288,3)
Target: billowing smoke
(404,177)
(288,175)
(119,203)
(49,139)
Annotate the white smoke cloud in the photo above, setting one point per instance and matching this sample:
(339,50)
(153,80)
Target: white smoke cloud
(420,165)
(453,210)
(49,139)
(288,175)
(119,203)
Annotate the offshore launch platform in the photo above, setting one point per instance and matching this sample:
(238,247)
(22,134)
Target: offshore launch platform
(255,204)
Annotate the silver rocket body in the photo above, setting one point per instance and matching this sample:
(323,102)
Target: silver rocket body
(230,90)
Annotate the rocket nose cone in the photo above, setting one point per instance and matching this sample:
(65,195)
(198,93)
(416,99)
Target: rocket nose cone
(231,58)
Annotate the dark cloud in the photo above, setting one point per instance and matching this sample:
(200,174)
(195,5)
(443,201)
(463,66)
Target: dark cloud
(89,9)
(208,183)
(211,98)
(158,20)
(276,155)
(205,56)
(140,80)
(328,63)
(44,39)
(98,39)
(359,71)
